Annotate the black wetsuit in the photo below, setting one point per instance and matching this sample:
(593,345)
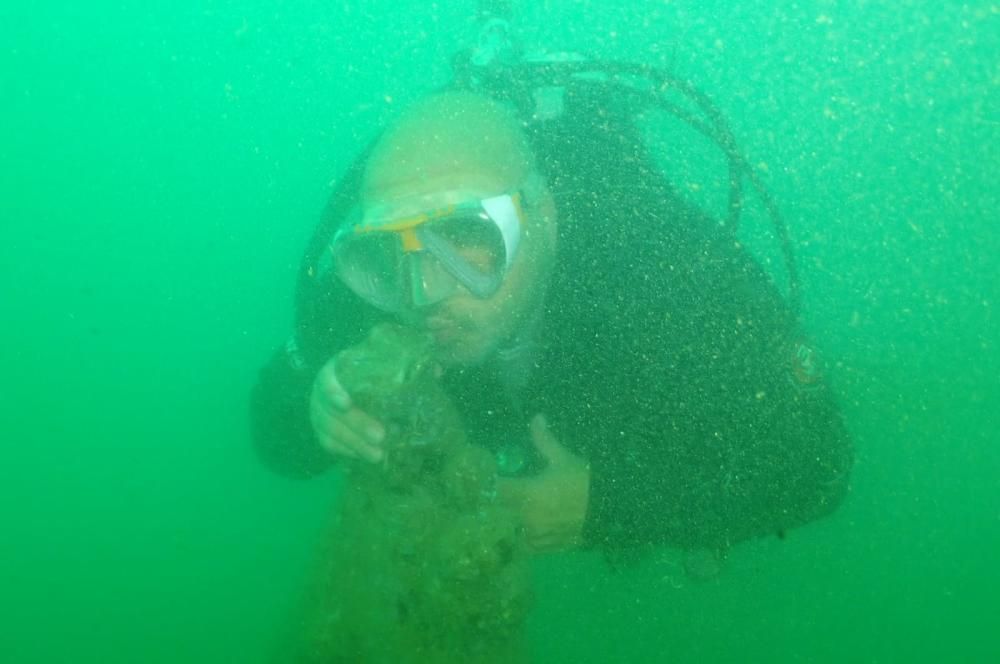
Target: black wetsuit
(668,359)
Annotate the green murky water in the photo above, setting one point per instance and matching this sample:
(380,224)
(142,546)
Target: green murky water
(161,167)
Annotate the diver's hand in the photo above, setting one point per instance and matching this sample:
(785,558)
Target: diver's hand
(552,504)
(340,427)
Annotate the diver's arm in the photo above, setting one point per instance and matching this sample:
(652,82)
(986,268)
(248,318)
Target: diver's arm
(283,435)
(279,409)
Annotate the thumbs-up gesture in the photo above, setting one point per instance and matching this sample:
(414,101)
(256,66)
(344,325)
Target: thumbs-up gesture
(552,504)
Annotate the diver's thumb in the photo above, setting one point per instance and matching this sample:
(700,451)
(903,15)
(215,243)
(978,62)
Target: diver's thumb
(545,442)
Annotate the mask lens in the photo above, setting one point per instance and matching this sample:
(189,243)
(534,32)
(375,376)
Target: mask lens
(472,237)
(372,265)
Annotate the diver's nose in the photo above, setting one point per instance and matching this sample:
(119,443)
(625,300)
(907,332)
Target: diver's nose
(430,284)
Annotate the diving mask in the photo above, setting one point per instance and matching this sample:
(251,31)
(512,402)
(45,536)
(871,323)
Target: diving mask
(398,256)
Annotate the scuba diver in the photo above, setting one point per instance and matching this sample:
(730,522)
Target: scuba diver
(638,376)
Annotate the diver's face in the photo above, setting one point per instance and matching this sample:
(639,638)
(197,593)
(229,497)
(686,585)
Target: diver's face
(467,330)
(468,145)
